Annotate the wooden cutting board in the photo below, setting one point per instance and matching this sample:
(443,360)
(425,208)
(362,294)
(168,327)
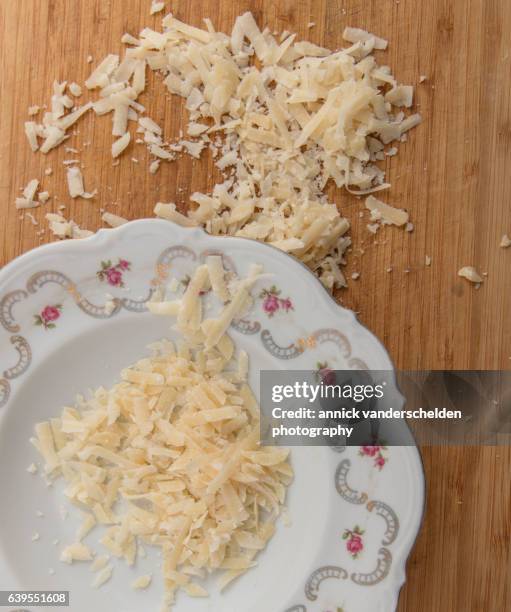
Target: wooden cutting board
(452,175)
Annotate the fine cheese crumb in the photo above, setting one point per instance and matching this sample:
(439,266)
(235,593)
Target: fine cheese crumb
(75,183)
(142,582)
(113,220)
(99,563)
(505,241)
(356,35)
(22,203)
(76,552)
(428,260)
(31,218)
(471,274)
(75,90)
(31,189)
(103,576)
(120,145)
(32,468)
(387,214)
(61,228)
(169,212)
(157,7)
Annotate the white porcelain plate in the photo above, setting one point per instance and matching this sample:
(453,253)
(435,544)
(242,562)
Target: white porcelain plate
(354,512)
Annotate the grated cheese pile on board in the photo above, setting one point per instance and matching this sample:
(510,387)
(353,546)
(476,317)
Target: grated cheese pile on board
(170,456)
(281,117)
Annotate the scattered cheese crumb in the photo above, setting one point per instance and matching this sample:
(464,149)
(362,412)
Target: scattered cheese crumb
(31,133)
(355,275)
(142,582)
(157,7)
(99,563)
(422,78)
(36,537)
(388,214)
(356,35)
(75,90)
(113,220)
(31,218)
(33,110)
(470,273)
(22,203)
(76,552)
(32,468)
(31,189)
(154,166)
(61,228)
(169,212)
(103,576)
(120,145)
(428,260)
(505,241)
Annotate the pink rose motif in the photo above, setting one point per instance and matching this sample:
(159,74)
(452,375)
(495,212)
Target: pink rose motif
(324,374)
(114,277)
(112,273)
(354,543)
(271,305)
(48,315)
(369,450)
(376,451)
(327,376)
(380,461)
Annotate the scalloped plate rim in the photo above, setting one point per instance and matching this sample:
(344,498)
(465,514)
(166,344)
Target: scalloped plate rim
(107,236)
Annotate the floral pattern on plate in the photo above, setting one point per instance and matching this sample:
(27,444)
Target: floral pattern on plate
(113,273)
(273,303)
(376,452)
(354,542)
(48,315)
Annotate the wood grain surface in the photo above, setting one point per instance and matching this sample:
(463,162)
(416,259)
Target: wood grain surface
(453,176)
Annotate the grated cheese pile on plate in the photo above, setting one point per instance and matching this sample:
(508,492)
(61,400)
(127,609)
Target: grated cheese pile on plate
(170,455)
(282,118)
